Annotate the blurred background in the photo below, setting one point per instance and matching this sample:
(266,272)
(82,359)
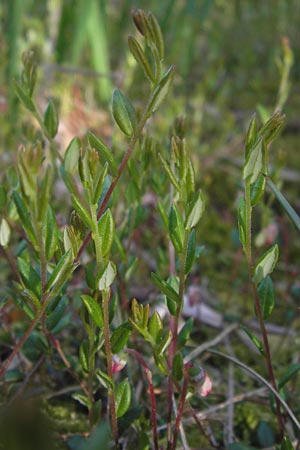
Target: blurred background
(232,58)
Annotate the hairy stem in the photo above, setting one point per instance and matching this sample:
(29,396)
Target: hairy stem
(174,323)
(112,406)
(180,408)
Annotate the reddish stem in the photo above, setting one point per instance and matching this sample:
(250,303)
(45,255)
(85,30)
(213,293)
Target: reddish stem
(180,407)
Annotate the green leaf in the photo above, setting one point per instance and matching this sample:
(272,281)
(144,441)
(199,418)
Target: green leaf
(55,316)
(286,205)
(72,155)
(120,337)
(107,277)
(161,208)
(155,327)
(84,355)
(164,344)
(191,252)
(160,92)
(257,190)
(70,240)
(83,400)
(122,398)
(105,380)
(161,363)
(44,193)
(266,296)
(106,232)
(272,127)
(24,97)
(101,184)
(185,332)
(165,288)
(59,275)
(123,113)
(266,264)
(157,34)
(254,163)
(82,212)
(105,154)
(26,308)
(51,119)
(3,196)
(4,233)
(251,136)
(176,229)
(195,212)
(50,233)
(62,323)
(265,435)
(254,339)
(140,57)
(177,367)
(29,275)
(32,298)
(94,309)
(170,174)
(286,444)
(172,306)
(292,370)
(24,217)
(242,221)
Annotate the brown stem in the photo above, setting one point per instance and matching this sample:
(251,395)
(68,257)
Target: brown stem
(151,392)
(22,341)
(180,407)
(111,395)
(122,166)
(268,357)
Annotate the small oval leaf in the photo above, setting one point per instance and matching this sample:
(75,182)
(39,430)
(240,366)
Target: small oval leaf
(107,277)
(266,264)
(155,327)
(51,119)
(123,113)
(122,398)
(94,309)
(266,296)
(195,212)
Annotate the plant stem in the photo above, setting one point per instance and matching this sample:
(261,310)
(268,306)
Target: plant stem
(130,148)
(114,422)
(248,253)
(174,323)
(180,408)
(22,341)
(151,392)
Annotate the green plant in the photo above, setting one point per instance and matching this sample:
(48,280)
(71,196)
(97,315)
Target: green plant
(92,249)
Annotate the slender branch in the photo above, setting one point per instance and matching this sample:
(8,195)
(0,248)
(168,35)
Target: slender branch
(122,166)
(180,407)
(114,422)
(151,392)
(22,341)
(174,323)
(248,253)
